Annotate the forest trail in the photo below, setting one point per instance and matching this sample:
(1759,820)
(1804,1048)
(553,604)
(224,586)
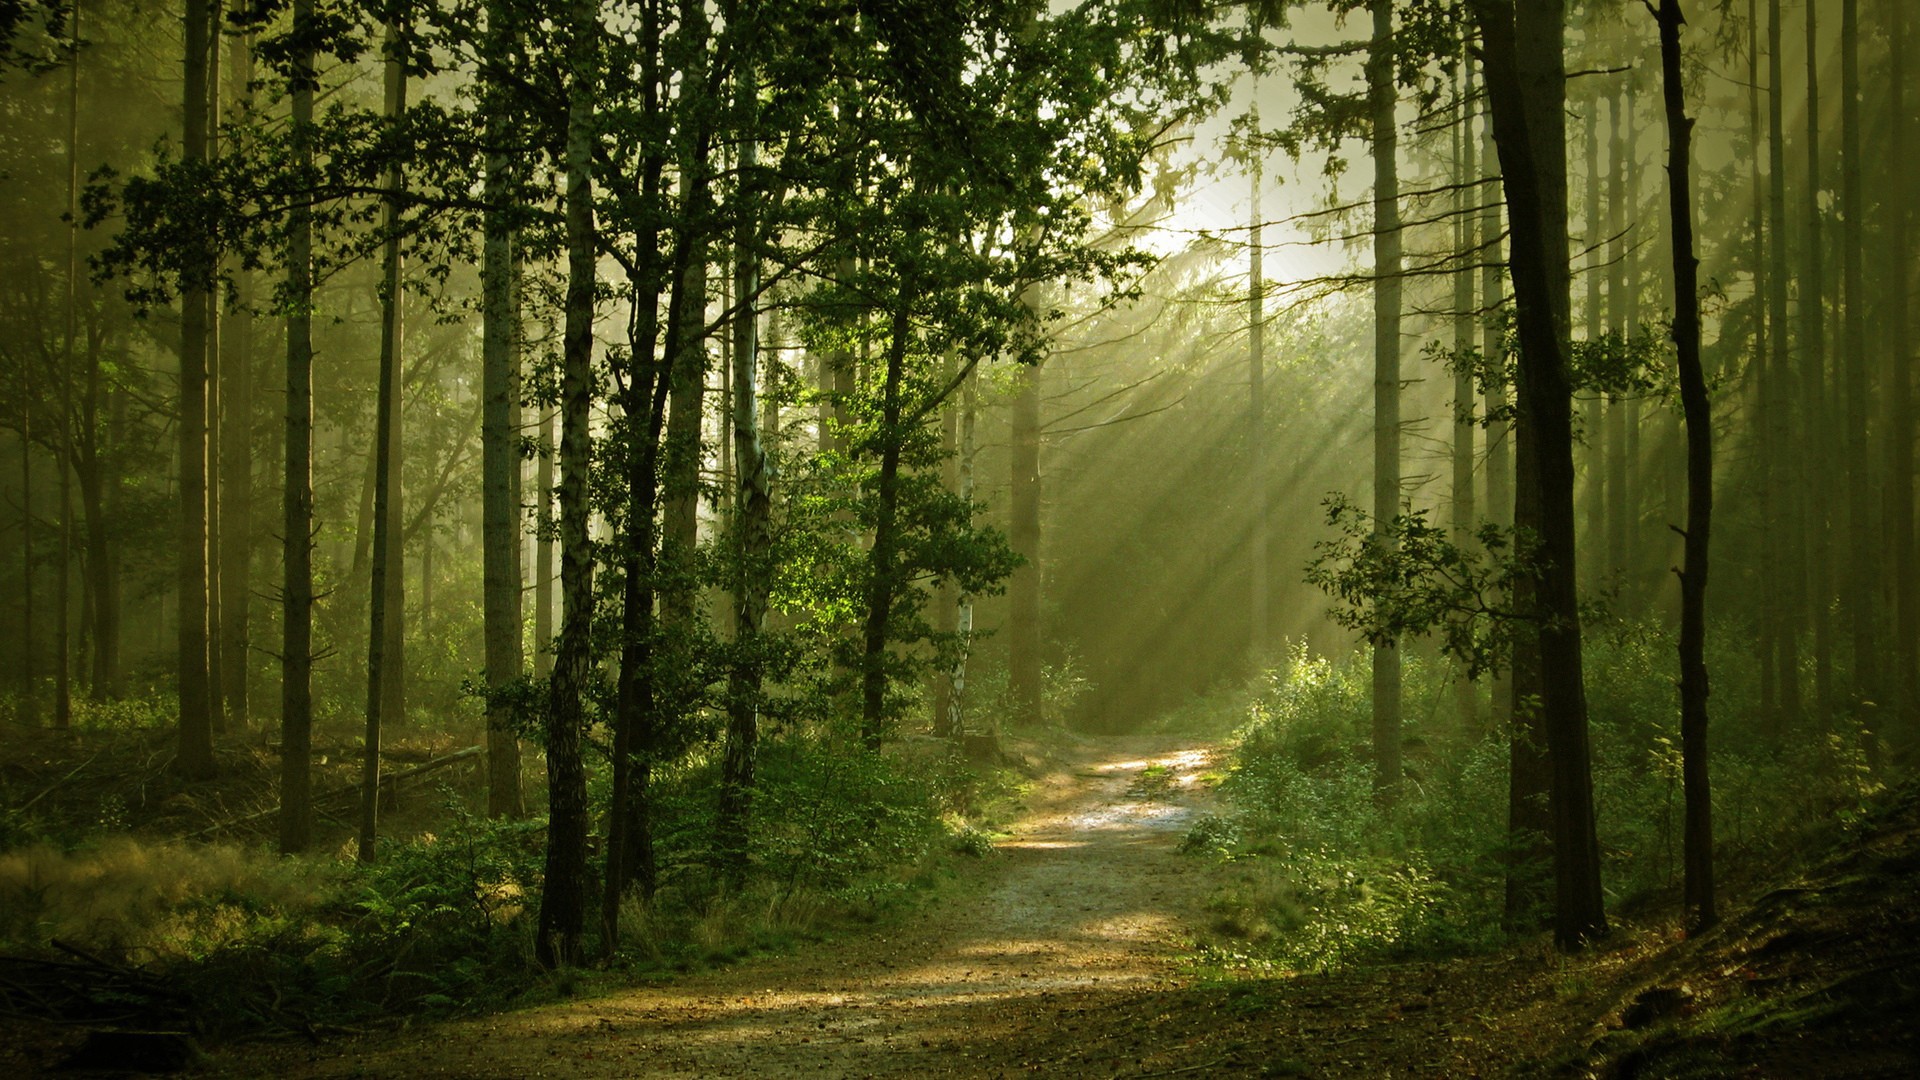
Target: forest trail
(1085,905)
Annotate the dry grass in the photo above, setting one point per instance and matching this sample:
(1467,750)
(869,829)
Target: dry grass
(146,899)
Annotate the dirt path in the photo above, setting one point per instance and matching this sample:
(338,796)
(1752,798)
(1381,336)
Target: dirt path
(1083,907)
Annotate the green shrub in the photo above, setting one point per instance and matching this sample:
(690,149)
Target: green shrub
(1433,865)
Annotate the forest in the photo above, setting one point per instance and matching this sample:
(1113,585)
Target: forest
(872,537)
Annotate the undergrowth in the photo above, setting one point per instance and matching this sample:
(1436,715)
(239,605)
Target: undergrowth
(443,921)
(1320,873)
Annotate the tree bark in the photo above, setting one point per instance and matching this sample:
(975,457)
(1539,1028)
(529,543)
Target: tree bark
(1023,533)
(195,757)
(500,453)
(752,508)
(1526,85)
(1814,394)
(384,662)
(559,937)
(1500,431)
(881,556)
(236,482)
(1699,418)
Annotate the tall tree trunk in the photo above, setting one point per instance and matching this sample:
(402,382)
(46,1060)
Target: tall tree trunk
(1785,434)
(1865,554)
(29,670)
(1620,516)
(1905,724)
(384,661)
(1768,637)
(1382,100)
(1465,243)
(562,920)
(216,456)
(1500,431)
(951,721)
(1814,395)
(195,757)
(752,509)
(544,527)
(1526,85)
(236,481)
(499,436)
(1693,398)
(1023,532)
(63,655)
(296,533)
(1259,472)
(881,557)
(104,506)
(946,604)
(1593,518)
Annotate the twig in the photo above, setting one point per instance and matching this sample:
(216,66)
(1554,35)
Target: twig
(28,805)
(389,778)
(1185,1068)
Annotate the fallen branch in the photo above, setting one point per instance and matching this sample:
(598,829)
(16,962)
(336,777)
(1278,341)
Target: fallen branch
(1185,1068)
(347,789)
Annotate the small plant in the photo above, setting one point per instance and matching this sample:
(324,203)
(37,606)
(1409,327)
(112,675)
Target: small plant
(1212,834)
(1156,781)
(967,840)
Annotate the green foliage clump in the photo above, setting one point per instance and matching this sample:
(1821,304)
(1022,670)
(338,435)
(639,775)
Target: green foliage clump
(1347,877)
(261,942)
(1342,878)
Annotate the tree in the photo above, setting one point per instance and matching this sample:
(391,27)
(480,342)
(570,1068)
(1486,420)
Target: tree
(1524,61)
(1384,138)
(1900,426)
(500,466)
(1466,244)
(1864,558)
(236,458)
(1813,388)
(559,940)
(1699,420)
(195,758)
(297,526)
(752,510)
(1783,432)
(384,660)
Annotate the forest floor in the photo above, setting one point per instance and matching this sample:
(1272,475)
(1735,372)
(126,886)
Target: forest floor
(1069,953)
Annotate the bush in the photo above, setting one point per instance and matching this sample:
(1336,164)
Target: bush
(1431,868)
(258,941)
